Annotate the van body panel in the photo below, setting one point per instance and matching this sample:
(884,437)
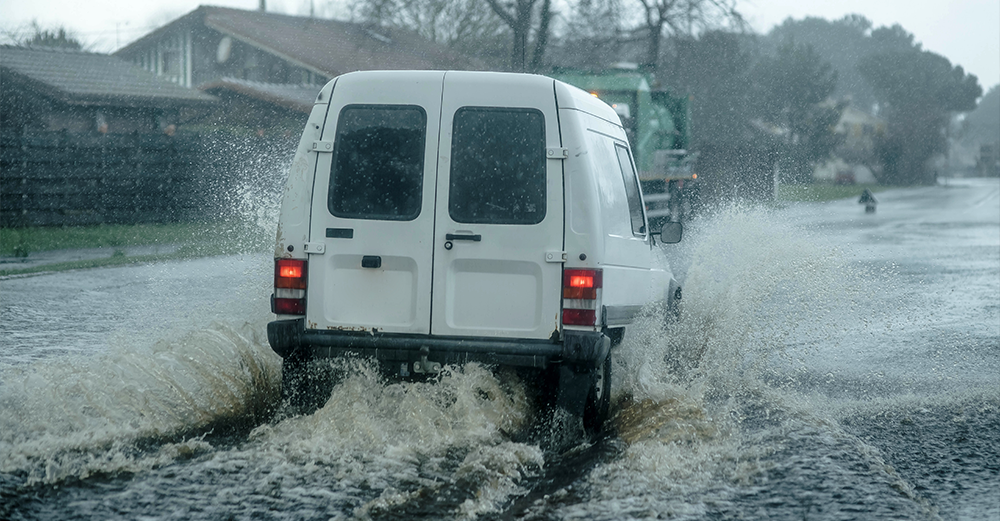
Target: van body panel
(627,257)
(597,169)
(607,174)
(395,296)
(398,279)
(583,224)
(296,199)
(495,128)
(439,223)
(517,299)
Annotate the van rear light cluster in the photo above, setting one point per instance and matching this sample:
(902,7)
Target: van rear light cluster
(289,287)
(581,296)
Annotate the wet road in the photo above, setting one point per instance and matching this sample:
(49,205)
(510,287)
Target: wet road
(830,365)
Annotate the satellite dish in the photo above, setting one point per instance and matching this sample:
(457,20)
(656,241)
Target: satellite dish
(224,50)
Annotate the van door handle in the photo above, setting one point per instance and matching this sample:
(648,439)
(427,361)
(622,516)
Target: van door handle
(463,237)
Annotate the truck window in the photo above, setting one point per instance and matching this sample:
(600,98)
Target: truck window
(631,191)
(497,166)
(378,162)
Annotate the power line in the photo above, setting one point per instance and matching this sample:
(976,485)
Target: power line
(72,31)
(121,31)
(115,31)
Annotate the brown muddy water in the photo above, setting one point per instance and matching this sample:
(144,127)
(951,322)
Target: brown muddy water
(828,365)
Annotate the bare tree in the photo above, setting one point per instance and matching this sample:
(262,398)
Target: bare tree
(519,16)
(595,19)
(683,18)
(35,35)
(593,35)
(469,25)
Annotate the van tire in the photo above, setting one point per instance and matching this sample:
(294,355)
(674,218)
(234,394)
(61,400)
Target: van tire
(304,386)
(595,411)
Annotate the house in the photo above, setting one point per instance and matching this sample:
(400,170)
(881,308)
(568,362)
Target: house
(852,158)
(244,51)
(89,138)
(265,109)
(46,89)
(859,129)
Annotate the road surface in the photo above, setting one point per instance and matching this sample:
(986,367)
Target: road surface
(830,364)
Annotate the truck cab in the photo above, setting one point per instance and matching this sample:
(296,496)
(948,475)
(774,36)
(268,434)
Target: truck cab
(657,123)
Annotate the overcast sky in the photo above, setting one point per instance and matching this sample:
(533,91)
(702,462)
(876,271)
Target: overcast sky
(967,32)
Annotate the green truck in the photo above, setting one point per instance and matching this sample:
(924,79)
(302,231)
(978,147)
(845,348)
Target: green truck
(658,128)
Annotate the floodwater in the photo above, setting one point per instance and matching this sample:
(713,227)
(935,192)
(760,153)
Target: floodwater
(829,364)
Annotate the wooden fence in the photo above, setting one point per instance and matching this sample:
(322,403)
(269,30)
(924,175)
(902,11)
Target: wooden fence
(63,179)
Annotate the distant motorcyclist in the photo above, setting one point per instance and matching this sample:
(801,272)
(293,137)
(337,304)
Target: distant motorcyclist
(868,199)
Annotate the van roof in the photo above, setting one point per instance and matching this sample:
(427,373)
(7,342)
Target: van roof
(570,97)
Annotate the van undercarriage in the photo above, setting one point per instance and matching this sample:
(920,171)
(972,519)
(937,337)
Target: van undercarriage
(584,348)
(579,365)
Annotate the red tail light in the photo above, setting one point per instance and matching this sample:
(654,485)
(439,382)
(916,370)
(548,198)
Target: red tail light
(580,296)
(289,287)
(579,317)
(290,273)
(289,306)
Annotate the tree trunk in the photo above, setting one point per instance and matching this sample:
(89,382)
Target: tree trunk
(542,37)
(653,47)
(520,23)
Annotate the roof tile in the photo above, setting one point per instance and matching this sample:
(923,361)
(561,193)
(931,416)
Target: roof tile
(82,77)
(329,47)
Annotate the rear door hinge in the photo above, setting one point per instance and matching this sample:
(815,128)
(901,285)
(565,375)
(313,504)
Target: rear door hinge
(322,146)
(556,153)
(317,248)
(555,256)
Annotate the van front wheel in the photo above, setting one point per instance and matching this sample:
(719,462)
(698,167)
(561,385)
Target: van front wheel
(595,411)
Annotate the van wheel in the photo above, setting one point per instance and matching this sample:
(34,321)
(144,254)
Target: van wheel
(305,387)
(595,411)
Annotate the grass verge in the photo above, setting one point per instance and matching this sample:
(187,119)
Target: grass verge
(819,192)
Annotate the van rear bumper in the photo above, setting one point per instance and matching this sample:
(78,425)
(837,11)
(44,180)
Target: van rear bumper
(584,348)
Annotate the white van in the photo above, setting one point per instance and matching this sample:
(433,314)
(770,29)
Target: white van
(436,217)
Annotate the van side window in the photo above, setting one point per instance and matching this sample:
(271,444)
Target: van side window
(497,166)
(378,162)
(631,191)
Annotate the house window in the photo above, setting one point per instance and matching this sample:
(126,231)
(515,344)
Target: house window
(171,59)
(170,62)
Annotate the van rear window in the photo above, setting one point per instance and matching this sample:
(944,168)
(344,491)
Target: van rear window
(497,166)
(378,162)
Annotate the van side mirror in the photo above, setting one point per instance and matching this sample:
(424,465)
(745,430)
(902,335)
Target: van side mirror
(670,232)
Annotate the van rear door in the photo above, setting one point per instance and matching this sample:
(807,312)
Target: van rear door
(373,205)
(498,238)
